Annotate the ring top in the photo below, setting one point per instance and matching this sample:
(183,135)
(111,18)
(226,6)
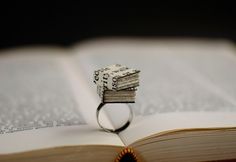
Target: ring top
(116,84)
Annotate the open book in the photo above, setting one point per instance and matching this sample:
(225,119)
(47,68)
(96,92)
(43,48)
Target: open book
(185,108)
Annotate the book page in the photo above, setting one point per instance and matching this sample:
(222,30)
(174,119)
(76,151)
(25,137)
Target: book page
(183,83)
(42,103)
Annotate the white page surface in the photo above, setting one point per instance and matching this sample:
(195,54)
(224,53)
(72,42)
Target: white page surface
(40,106)
(194,77)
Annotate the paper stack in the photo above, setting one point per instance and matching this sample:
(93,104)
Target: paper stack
(116,83)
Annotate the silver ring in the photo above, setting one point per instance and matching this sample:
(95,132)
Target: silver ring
(117,130)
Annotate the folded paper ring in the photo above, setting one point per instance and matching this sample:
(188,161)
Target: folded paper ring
(117,130)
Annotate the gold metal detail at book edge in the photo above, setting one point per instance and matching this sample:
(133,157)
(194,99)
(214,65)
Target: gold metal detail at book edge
(127,154)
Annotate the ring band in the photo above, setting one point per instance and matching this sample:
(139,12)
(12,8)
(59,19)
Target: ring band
(117,130)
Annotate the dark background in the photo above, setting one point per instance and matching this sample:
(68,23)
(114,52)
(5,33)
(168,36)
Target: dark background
(67,23)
